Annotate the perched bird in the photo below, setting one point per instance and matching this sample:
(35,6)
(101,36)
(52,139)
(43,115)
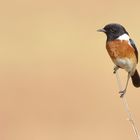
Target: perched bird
(123,52)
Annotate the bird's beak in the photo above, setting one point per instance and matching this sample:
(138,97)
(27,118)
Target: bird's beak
(101,30)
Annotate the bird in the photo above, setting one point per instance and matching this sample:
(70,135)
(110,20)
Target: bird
(123,52)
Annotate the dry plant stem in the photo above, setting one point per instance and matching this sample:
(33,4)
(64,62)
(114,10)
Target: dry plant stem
(129,114)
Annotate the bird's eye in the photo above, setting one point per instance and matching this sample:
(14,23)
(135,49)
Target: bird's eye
(113,30)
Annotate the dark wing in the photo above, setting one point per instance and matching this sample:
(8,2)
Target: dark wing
(135,48)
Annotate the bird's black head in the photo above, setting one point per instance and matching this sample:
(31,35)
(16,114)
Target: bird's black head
(113,31)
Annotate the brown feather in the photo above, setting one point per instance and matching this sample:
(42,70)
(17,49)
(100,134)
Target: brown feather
(120,49)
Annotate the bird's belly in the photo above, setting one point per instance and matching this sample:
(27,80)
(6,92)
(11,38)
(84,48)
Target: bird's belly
(125,63)
(122,54)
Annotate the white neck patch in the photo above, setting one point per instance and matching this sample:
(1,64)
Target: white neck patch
(124,37)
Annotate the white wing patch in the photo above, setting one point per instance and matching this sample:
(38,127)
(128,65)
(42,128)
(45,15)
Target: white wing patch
(126,38)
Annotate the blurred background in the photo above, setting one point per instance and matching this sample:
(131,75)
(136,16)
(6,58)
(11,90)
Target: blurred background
(56,78)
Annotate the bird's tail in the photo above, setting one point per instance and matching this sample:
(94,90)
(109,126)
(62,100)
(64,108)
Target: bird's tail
(136,79)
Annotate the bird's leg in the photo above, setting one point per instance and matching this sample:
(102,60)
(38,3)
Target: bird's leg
(124,91)
(115,69)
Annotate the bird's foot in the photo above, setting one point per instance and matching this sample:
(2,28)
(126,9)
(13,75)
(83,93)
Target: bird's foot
(115,69)
(122,93)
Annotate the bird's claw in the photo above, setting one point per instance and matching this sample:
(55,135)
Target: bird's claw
(122,93)
(115,69)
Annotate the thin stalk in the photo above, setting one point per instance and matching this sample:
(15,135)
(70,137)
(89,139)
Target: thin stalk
(126,107)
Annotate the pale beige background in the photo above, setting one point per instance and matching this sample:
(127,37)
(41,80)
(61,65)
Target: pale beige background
(56,80)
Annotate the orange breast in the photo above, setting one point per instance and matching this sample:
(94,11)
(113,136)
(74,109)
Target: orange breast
(120,49)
